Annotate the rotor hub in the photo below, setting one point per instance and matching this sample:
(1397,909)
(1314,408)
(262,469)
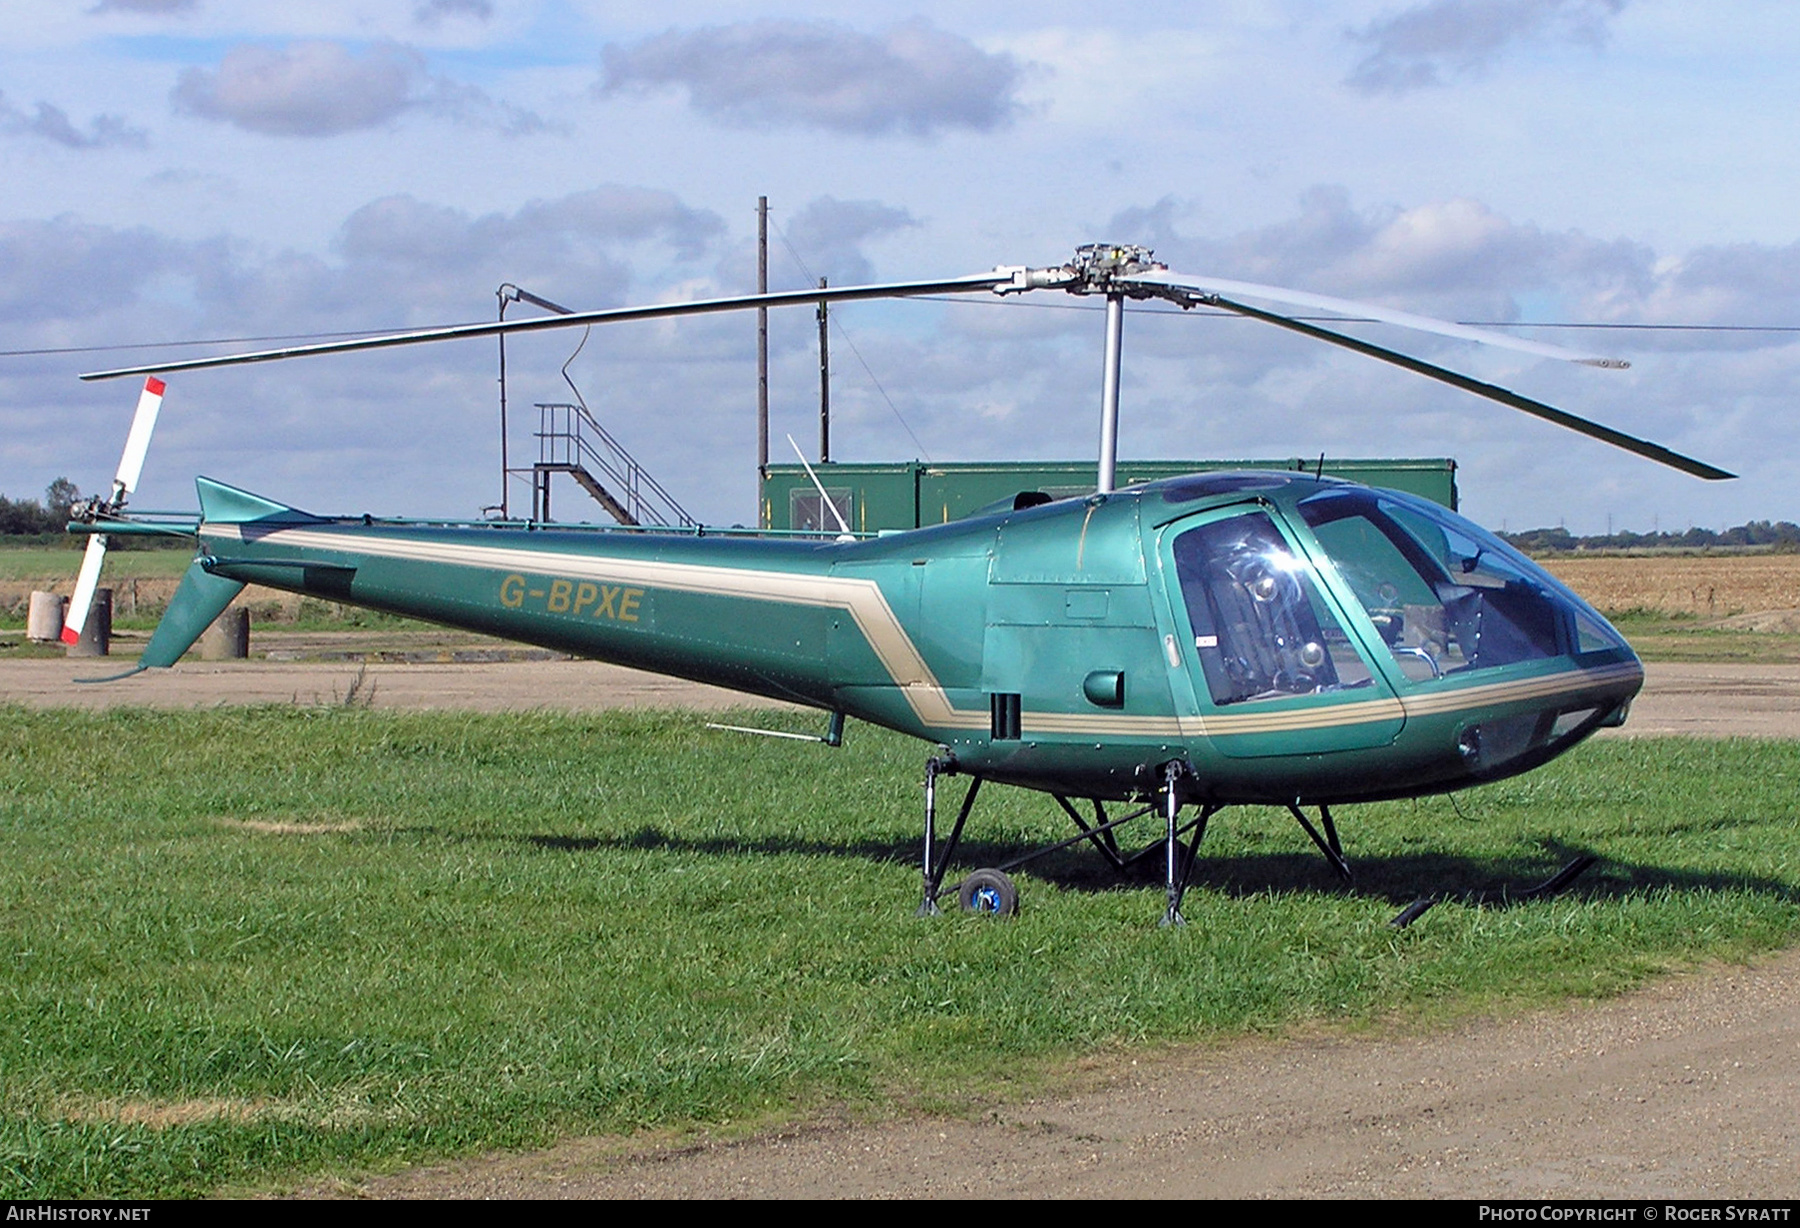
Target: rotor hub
(1097,268)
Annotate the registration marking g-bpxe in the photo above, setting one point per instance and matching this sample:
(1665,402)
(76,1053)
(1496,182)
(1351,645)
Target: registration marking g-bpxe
(577,598)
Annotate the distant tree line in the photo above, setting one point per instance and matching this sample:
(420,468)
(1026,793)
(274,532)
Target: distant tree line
(1781,535)
(30,518)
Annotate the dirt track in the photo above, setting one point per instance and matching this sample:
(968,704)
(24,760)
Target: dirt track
(1683,1090)
(500,686)
(1686,1090)
(1703,700)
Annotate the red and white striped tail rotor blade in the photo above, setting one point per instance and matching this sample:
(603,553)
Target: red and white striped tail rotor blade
(131,465)
(85,585)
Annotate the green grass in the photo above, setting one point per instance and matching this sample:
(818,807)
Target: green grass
(1656,636)
(483,932)
(46,562)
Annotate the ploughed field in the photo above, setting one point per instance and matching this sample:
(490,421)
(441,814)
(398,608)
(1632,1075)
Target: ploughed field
(1688,586)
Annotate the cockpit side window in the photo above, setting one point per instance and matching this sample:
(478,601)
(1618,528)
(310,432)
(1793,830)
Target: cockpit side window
(1261,627)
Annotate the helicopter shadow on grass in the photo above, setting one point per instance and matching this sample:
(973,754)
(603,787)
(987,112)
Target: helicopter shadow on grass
(1499,881)
(1493,882)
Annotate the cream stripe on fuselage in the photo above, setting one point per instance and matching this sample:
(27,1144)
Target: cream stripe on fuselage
(861,599)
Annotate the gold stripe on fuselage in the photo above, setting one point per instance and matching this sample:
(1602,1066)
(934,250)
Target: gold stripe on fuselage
(861,599)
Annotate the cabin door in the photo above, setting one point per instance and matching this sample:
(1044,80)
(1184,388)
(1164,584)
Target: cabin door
(1275,666)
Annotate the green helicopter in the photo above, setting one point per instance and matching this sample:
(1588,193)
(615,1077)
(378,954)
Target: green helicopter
(1255,637)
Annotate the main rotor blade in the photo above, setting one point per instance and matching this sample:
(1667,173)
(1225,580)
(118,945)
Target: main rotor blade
(1208,286)
(607,315)
(1618,439)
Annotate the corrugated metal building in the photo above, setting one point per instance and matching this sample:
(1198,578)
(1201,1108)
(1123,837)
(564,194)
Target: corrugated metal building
(911,494)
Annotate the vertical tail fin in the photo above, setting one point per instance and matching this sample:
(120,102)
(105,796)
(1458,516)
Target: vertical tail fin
(201,598)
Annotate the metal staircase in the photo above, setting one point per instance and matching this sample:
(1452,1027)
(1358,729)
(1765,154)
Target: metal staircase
(570,441)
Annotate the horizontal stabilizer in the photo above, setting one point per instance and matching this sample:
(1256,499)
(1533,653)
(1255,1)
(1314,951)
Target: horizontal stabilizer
(222,504)
(201,598)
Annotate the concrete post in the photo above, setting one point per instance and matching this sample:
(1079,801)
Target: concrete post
(96,633)
(44,617)
(228,639)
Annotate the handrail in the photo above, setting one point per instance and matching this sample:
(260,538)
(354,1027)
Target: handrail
(563,441)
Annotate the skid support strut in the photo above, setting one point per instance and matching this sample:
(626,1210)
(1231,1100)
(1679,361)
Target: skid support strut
(1327,843)
(1179,858)
(935,863)
(1100,833)
(1180,852)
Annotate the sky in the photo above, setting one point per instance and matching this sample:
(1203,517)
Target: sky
(181,170)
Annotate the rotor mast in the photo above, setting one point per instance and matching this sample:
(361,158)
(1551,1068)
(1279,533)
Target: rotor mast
(1109,393)
(1104,268)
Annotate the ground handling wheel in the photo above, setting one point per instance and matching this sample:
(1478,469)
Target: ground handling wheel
(989,893)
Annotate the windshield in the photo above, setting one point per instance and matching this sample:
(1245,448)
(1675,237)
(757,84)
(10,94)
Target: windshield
(1445,595)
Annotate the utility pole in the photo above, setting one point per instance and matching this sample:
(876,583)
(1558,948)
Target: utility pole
(505,465)
(762,342)
(824,379)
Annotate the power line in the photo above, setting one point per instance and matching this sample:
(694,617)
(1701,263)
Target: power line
(867,370)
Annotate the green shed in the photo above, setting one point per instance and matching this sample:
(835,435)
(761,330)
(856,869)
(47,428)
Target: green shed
(911,494)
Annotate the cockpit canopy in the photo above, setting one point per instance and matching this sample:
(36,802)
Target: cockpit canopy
(1444,596)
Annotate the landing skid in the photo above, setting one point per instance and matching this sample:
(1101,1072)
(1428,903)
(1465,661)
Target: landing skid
(1505,895)
(988,890)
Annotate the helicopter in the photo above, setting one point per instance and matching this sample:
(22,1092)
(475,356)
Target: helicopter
(1167,649)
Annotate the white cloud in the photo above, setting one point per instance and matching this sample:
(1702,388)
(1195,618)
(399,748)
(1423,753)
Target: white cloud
(1432,43)
(145,6)
(569,248)
(308,89)
(348,430)
(52,123)
(433,12)
(323,88)
(828,235)
(62,271)
(1455,258)
(911,78)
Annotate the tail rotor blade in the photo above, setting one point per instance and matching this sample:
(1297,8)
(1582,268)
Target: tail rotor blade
(137,443)
(131,467)
(84,588)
